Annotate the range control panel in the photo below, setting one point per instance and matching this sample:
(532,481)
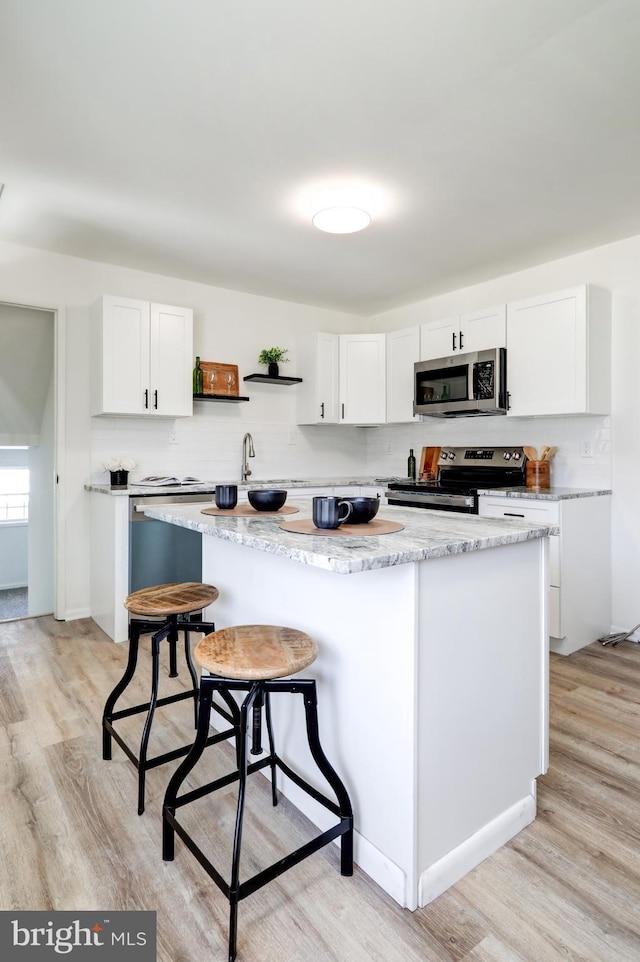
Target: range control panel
(482,457)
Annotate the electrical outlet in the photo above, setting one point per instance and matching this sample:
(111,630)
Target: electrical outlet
(586,449)
(173,434)
(293,438)
(389,447)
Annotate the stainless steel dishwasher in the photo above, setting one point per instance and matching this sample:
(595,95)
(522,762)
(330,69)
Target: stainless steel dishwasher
(160,553)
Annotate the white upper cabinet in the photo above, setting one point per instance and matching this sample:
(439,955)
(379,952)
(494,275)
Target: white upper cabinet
(559,353)
(317,363)
(403,350)
(362,379)
(464,333)
(142,358)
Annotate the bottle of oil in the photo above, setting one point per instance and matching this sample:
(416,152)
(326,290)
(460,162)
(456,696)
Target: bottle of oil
(411,465)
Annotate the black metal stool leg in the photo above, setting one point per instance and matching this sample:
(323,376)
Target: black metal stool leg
(107,715)
(144,743)
(272,750)
(253,699)
(193,673)
(321,760)
(173,641)
(171,794)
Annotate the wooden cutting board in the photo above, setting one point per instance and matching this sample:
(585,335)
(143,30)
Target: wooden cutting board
(429,463)
(368,530)
(246,511)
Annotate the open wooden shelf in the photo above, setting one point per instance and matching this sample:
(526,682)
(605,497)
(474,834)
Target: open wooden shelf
(267,379)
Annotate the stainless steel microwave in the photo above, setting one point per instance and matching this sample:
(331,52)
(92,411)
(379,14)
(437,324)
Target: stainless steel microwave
(462,385)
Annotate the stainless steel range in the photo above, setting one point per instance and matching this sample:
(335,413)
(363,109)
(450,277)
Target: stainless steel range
(461,472)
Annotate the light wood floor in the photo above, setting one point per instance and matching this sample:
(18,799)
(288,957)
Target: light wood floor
(567,887)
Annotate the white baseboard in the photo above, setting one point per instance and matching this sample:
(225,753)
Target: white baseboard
(452,867)
(20,584)
(371,860)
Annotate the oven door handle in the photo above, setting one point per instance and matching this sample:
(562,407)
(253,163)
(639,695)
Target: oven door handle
(461,500)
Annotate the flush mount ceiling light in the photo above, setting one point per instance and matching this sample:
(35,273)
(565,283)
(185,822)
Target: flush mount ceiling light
(341,210)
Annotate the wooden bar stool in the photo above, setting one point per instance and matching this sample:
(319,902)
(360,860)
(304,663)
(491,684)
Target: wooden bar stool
(255,659)
(173,608)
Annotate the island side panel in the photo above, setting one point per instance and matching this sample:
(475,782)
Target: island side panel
(365,626)
(109,578)
(483,711)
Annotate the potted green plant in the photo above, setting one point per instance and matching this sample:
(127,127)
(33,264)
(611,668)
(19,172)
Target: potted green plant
(273,356)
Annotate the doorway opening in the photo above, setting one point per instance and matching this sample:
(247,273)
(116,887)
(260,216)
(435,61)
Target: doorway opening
(27,473)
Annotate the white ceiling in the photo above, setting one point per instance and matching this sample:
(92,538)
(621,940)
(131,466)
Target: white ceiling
(186,137)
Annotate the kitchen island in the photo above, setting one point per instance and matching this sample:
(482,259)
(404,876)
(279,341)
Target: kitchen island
(432,674)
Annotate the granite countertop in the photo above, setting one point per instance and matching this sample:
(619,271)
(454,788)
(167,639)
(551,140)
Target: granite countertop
(208,487)
(545,494)
(427,534)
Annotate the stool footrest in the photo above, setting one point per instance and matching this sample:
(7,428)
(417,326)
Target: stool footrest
(221,782)
(251,885)
(257,881)
(167,700)
(167,756)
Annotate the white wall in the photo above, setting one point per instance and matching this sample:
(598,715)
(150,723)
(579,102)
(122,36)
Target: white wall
(616,440)
(230,327)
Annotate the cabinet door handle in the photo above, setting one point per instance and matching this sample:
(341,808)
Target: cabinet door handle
(322,410)
(343,411)
(146,399)
(454,340)
(512,514)
(155,400)
(460,340)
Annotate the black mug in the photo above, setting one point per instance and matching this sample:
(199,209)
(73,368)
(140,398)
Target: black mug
(226,495)
(327,512)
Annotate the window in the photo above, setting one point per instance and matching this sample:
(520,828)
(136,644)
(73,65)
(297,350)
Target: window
(14,494)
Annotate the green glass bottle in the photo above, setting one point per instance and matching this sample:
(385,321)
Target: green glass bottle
(411,465)
(198,386)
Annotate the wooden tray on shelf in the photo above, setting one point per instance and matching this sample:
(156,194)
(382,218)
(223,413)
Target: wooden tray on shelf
(220,378)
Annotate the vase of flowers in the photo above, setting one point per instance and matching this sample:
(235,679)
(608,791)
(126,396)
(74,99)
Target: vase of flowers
(118,469)
(272,356)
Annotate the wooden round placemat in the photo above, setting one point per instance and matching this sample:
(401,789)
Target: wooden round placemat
(377,526)
(246,511)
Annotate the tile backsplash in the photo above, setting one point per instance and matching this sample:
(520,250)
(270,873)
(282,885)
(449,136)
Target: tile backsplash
(388,446)
(210,447)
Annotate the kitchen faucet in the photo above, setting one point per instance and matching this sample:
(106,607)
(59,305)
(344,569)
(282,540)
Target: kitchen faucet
(247,451)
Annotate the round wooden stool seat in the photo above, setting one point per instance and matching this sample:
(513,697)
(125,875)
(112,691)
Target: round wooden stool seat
(171,599)
(255,652)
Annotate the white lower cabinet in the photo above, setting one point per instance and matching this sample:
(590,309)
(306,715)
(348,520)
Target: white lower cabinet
(579,590)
